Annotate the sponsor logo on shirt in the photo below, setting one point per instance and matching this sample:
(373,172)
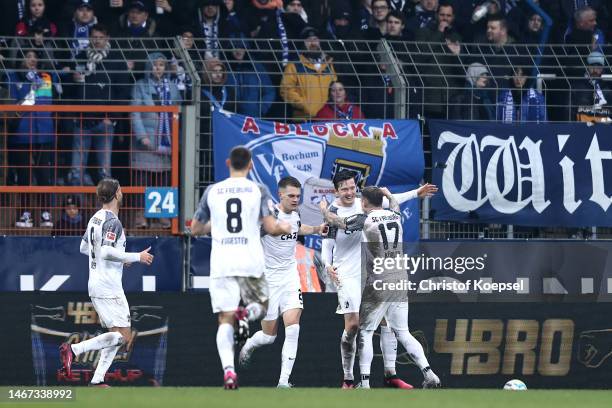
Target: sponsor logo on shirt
(111,236)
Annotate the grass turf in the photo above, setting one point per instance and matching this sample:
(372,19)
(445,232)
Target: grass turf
(171,397)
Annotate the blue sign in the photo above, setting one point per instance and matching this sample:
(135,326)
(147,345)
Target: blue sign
(383,153)
(523,174)
(54,264)
(161,202)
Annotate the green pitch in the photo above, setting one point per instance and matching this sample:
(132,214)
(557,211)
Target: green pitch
(167,397)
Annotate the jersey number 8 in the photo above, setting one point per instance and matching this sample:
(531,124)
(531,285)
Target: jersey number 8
(233,207)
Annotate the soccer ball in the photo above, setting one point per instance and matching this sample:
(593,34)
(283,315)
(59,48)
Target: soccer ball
(515,385)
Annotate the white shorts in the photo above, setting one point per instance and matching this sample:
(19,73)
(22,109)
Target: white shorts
(283,298)
(226,292)
(349,295)
(113,312)
(395,313)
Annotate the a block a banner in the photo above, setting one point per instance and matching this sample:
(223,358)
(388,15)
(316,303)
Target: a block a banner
(524,174)
(141,362)
(383,153)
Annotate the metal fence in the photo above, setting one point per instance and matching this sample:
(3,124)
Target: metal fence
(384,79)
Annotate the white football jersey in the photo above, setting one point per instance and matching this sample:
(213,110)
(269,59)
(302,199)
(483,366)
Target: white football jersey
(279,251)
(383,230)
(347,252)
(235,207)
(104,228)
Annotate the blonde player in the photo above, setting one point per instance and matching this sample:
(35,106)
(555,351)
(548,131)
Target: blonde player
(233,211)
(283,281)
(104,243)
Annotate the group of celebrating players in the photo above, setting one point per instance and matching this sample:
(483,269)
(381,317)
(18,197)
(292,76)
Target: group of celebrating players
(253,261)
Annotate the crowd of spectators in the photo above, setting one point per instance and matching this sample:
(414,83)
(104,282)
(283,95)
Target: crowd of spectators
(295,59)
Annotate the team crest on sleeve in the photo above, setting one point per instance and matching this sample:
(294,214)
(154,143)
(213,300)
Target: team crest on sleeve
(111,236)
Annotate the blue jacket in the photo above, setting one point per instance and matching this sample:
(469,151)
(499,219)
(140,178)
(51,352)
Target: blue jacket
(253,89)
(35,127)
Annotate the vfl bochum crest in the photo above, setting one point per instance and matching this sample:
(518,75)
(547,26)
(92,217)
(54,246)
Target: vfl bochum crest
(386,153)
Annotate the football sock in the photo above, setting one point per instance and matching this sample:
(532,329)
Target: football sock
(255,311)
(107,356)
(413,347)
(225,345)
(97,343)
(366,354)
(259,339)
(388,346)
(290,347)
(347,350)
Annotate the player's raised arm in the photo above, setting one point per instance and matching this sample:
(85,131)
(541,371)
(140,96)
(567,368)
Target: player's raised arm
(426,190)
(394,204)
(200,223)
(111,231)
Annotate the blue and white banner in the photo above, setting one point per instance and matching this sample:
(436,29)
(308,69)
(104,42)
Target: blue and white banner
(54,264)
(384,153)
(524,174)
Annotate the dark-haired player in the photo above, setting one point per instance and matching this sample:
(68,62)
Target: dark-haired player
(233,212)
(104,243)
(341,254)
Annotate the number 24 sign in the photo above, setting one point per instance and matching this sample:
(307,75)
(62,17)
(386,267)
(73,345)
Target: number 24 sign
(161,202)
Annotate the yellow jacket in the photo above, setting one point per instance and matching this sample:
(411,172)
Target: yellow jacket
(305,87)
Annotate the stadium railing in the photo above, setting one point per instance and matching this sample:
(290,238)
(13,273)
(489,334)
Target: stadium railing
(386,79)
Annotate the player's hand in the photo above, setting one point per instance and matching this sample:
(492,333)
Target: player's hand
(323,205)
(145,257)
(285,227)
(427,190)
(323,229)
(385,191)
(333,274)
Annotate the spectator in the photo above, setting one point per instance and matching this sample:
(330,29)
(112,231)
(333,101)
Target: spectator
(532,33)
(71,221)
(215,90)
(170,15)
(338,106)
(233,18)
(339,26)
(473,24)
(305,83)
(252,86)
(569,8)
(379,93)
(442,64)
(78,29)
(424,13)
(477,102)
(152,131)
(376,28)
(267,20)
(31,147)
(136,22)
(500,56)
(35,18)
(520,103)
(184,83)
(212,27)
(395,25)
(590,92)
(296,7)
(136,26)
(13,11)
(585,30)
(44,47)
(99,79)
(106,11)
